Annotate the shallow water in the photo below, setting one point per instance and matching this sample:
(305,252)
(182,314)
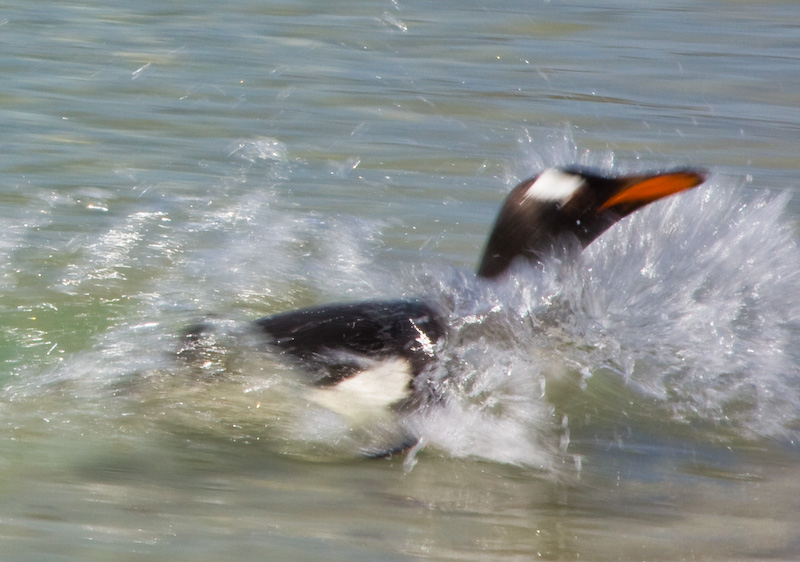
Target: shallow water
(166,163)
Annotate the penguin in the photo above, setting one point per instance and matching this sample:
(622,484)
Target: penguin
(375,354)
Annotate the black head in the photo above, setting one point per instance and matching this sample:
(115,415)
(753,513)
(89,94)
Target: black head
(541,212)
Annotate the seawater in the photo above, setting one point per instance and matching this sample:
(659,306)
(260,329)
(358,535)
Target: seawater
(163,164)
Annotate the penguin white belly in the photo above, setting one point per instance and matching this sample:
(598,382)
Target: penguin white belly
(368,394)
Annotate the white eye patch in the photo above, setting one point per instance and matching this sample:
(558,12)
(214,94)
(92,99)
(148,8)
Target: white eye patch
(555,185)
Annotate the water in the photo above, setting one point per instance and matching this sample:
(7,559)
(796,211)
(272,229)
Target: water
(165,162)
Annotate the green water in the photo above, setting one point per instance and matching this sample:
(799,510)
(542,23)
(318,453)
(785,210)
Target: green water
(163,161)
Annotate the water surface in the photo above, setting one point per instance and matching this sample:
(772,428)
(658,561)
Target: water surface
(166,162)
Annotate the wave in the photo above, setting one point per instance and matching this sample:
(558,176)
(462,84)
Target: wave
(680,322)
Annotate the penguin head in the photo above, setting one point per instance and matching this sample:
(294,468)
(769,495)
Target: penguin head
(543,213)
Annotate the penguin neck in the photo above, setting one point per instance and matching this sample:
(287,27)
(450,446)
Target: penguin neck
(525,227)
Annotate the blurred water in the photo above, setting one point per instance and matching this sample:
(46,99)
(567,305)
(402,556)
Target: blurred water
(162,162)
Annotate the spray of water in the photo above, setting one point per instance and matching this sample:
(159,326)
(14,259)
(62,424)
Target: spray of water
(683,319)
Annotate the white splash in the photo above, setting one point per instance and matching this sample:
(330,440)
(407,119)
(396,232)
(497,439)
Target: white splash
(686,314)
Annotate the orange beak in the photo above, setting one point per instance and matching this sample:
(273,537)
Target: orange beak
(654,188)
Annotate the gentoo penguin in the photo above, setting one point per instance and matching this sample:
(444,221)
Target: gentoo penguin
(378,352)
